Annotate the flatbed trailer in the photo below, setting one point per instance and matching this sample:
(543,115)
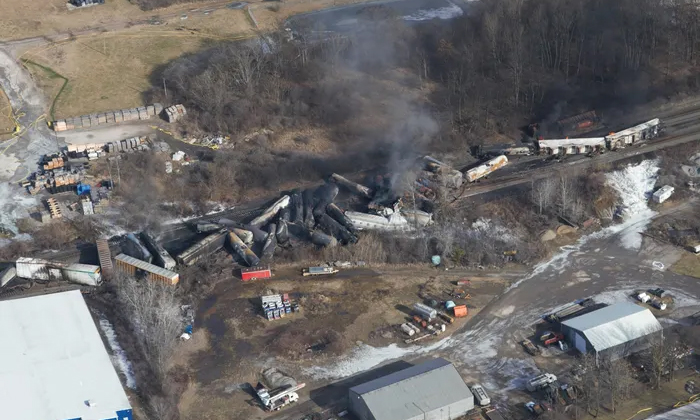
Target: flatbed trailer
(318,271)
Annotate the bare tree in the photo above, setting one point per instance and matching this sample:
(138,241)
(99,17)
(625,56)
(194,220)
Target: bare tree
(543,193)
(566,194)
(616,375)
(154,314)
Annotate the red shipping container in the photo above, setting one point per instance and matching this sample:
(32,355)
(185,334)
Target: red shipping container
(255,273)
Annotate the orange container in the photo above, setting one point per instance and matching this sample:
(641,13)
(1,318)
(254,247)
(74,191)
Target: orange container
(460,311)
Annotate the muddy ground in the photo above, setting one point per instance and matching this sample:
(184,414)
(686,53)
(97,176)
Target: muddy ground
(232,341)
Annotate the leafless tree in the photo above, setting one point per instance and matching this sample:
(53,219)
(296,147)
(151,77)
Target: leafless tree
(153,312)
(543,193)
(616,375)
(566,194)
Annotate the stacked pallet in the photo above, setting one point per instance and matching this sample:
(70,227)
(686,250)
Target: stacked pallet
(121,115)
(174,113)
(53,208)
(278,306)
(54,163)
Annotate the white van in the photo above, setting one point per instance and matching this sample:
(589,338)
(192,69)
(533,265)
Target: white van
(480,395)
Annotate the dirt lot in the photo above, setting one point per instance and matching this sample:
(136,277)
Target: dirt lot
(233,342)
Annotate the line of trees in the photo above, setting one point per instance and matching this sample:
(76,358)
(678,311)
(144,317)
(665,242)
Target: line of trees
(152,310)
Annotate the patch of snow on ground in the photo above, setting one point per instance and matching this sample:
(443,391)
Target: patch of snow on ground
(15,204)
(217,209)
(445,13)
(119,358)
(634,184)
(485,228)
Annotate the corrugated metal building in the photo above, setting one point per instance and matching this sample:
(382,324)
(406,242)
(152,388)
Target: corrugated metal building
(433,390)
(55,366)
(613,331)
(686,412)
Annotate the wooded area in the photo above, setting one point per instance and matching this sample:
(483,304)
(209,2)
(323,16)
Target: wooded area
(504,63)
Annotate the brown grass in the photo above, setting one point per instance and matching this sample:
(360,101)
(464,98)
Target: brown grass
(52,17)
(119,64)
(688,265)
(6,123)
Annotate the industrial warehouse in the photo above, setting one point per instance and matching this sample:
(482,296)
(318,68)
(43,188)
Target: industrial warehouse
(431,390)
(614,331)
(55,366)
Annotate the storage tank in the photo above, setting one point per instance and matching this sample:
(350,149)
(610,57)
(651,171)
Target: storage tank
(133,247)
(486,169)
(408,330)
(159,253)
(424,311)
(270,212)
(242,250)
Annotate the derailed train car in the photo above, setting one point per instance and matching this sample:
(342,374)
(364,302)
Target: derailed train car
(613,141)
(486,168)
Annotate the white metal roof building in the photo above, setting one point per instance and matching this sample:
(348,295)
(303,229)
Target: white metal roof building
(687,412)
(55,366)
(433,390)
(616,330)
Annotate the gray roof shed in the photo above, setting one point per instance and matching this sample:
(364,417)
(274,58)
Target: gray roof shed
(410,393)
(615,324)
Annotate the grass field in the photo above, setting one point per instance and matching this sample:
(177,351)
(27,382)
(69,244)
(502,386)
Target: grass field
(50,17)
(688,265)
(108,71)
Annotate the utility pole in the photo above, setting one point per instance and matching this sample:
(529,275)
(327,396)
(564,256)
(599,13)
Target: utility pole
(165,88)
(109,168)
(119,176)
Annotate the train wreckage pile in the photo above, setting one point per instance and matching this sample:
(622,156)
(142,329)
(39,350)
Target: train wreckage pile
(313,216)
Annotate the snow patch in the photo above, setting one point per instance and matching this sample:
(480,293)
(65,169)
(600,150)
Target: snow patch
(635,184)
(365,357)
(218,208)
(444,13)
(119,358)
(15,204)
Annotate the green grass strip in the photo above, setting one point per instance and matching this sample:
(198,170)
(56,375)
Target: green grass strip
(53,75)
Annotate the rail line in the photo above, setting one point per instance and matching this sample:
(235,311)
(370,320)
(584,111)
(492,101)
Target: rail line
(540,173)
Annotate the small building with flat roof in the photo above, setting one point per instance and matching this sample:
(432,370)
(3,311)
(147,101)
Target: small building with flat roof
(613,331)
(433,390)
(55,366)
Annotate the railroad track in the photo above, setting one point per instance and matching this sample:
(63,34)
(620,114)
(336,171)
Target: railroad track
(535,174)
